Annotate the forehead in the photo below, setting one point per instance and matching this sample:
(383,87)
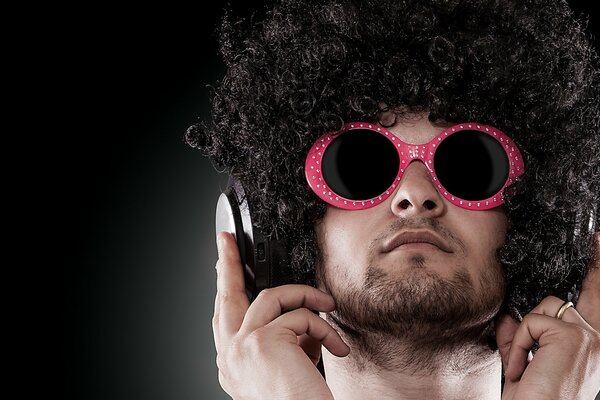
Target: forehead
(414,128)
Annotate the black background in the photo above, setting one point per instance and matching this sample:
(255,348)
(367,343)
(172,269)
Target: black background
(136,266)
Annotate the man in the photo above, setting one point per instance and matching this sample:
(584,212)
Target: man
(422,287)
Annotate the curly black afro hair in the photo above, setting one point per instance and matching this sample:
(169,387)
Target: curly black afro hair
(527,67)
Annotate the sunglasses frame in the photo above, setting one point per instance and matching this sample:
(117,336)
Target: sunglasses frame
(408,153)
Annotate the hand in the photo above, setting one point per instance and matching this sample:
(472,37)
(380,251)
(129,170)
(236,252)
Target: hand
(269,349)
(567,364)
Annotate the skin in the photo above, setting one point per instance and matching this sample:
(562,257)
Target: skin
(269,349)
(473,238)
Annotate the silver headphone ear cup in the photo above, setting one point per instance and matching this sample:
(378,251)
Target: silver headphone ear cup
(228,217)
(265,261)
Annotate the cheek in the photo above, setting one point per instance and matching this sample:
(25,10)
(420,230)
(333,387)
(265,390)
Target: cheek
(339,232)
(345,240)
(484,231)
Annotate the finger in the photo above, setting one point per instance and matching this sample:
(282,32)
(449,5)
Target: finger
(271,303)
(550,306)
(588,304)
(311,347)
(530,330)
(232,301)
(302,321)
(506,327)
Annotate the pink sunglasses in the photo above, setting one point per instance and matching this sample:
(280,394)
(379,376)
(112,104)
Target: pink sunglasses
(359,167)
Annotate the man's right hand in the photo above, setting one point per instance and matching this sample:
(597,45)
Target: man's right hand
(269,349)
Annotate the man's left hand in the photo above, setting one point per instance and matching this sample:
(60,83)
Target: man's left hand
(567,363)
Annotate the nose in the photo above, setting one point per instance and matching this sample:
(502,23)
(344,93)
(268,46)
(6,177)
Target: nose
(416,194)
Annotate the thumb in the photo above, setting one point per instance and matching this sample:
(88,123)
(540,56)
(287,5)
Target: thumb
(506,327)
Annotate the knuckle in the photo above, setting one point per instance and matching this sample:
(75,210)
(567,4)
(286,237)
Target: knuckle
(266,293)
(258,340)
(234,349)
(315,296)
(552,299)
(581,338)
(585,343)
(589,337)
(305,313)
(527,319)
(226,296)
(579,334)
(594,338)
(257,336)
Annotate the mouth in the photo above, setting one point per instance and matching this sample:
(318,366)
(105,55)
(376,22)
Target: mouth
(416,240)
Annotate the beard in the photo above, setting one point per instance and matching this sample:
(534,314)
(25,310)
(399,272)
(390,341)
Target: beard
(420,322)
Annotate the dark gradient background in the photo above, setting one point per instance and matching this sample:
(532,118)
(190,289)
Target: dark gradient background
(139,280)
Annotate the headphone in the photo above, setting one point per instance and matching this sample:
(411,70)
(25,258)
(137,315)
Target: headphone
(265,261)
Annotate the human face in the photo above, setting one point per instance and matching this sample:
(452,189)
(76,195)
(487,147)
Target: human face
(416,285)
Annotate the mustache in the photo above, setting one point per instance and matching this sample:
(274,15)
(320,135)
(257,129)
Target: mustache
(417,223)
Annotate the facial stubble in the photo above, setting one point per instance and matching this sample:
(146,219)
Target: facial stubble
(421,320)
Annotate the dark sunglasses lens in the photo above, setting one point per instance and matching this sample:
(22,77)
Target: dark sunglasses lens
(471,165)
(360,164)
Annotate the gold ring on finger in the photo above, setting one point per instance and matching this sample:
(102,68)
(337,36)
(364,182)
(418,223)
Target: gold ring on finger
(563,308)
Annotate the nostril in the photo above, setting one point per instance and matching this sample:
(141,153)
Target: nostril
(430,205)
(404,204)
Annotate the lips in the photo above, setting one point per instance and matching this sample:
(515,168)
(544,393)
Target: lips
(416,237)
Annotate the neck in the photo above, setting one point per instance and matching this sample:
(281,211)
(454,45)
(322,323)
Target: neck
(394,368)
